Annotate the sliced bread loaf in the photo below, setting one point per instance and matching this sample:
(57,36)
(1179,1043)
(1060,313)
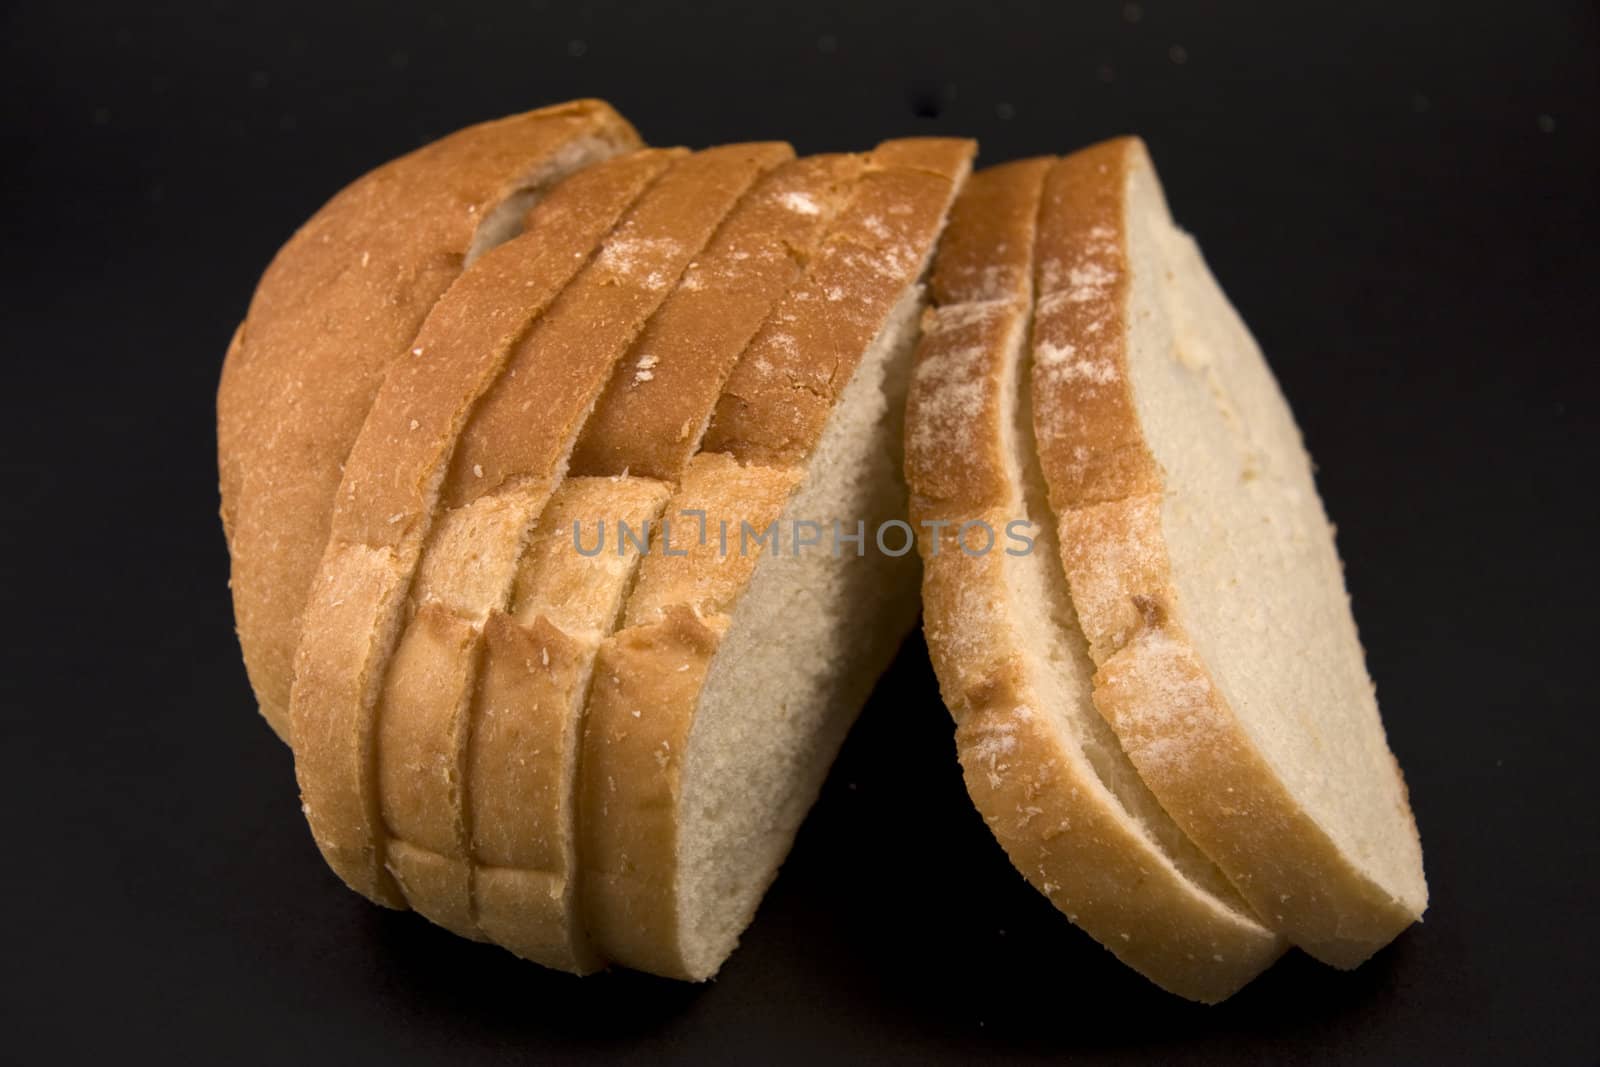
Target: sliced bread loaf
(1203,571)
(338,305)
(1044,770)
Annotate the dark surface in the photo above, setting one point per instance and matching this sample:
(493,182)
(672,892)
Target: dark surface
(1401,199)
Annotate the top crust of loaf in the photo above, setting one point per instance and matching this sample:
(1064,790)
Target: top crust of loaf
(779,396)
(654,412)
(338,304)
(1113,273)
(1027,765)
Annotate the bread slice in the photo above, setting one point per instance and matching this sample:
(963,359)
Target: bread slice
(340,302)
(1203,569)
(451,431)
(717,708)
(1042,767)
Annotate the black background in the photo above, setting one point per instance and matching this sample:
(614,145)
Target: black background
(1400,198)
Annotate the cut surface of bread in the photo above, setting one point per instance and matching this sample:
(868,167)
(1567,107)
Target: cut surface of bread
(717,707)
(451,469)
(1043,768)
(338,305)
(1204,573)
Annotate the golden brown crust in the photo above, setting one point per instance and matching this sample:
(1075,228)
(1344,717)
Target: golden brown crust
(385,502)
(343,647)
(981,285)
(780,393)
(636,727)
(644,260)
(768,419)
(479,335)
(338,304)
(520,789)
(654,411)
(535,673)
(579,564)
(1091,448)
(986,250)
(710,563)
(515,754)
(422,772)
(1105,487)
(1035,788)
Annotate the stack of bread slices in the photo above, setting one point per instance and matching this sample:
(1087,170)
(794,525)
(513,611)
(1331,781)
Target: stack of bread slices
(556,472)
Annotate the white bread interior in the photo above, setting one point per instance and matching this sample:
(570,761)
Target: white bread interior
(808,640)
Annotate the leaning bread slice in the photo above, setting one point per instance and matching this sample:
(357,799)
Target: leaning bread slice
(579,564)
(392,482)
(1203,569)
(1042,767)
(715,711)
(339,303)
